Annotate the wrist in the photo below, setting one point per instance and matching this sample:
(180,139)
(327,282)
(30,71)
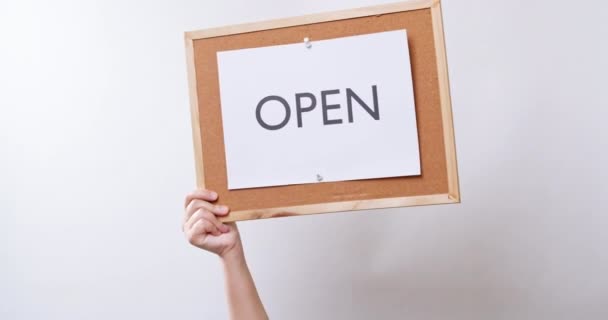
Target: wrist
(234,255)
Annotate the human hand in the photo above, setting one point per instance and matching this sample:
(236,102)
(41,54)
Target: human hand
(202,227)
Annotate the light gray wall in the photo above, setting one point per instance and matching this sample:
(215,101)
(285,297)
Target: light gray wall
(97,156)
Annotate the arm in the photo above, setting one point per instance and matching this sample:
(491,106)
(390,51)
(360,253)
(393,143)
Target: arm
(204,230)
(243,299)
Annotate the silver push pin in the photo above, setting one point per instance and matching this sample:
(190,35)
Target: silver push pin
(319,178)
(307,43)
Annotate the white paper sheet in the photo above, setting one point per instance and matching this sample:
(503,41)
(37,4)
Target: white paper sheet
(363,149)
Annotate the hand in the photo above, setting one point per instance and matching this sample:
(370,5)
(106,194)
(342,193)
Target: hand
(203,229)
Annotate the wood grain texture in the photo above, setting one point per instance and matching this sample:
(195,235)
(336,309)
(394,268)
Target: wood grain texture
(338,207)
(446,102)
(194,107)
(438,182)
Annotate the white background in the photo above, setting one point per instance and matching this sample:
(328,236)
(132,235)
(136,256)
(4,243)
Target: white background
(96,156)
(364,149)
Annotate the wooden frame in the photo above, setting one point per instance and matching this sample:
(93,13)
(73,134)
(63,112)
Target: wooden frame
(453,194)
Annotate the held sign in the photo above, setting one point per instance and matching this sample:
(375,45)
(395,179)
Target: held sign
(335,110)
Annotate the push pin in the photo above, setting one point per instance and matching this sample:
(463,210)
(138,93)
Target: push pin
(319,178)
(307,43)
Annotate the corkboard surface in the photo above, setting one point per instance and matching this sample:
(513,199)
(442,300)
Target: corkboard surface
(434,179)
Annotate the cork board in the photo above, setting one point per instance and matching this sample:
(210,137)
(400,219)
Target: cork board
(438,183)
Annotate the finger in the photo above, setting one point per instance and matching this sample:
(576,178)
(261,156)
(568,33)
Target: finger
(195,233)
(202,227)
(202,194)
(231,226)
(190,221)
(213,219)
(204,214)
(196,204)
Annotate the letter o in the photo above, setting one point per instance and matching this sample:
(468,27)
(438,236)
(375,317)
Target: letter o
(258,113)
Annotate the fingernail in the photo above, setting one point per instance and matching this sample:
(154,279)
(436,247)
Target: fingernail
(213,194)
(222,208)
(225,228)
